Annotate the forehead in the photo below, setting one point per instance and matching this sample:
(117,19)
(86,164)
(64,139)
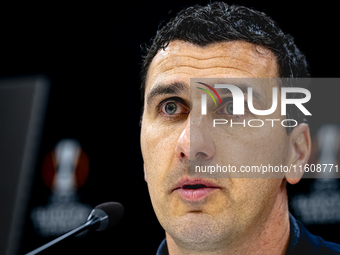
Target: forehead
(181,61)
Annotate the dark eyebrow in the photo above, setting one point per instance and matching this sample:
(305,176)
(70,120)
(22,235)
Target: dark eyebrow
(244,88)
(173,88)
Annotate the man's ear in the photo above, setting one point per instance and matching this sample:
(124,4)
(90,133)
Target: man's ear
(144,173)
(300,153)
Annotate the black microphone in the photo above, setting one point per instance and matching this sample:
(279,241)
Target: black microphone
(102,217)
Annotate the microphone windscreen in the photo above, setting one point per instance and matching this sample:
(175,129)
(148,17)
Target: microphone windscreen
(114,210)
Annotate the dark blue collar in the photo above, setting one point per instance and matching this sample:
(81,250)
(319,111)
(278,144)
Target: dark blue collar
(294,234)
(163,248)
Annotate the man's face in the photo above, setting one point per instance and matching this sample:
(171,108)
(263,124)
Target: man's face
(233,206)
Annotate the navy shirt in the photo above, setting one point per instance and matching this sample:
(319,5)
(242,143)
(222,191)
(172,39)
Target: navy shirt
(300,242)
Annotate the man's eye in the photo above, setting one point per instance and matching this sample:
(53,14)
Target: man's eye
(170,108)
(226,109)
(173,108)
(229,108)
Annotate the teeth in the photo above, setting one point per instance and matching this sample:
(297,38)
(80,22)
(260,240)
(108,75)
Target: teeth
(197,186)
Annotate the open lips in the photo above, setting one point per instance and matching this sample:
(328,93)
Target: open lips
(195,189)
(196,186)
(197,183)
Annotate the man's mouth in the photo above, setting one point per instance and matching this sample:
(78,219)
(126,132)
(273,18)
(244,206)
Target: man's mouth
(197,186)
(194,189)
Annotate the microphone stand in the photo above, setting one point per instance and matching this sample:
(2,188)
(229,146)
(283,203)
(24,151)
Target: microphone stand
(88,224)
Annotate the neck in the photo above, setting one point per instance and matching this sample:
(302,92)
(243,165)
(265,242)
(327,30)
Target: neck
(269,237)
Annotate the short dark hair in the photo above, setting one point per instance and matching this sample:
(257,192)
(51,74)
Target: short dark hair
(220,22)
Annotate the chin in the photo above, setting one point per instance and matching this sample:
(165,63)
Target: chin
(198,230)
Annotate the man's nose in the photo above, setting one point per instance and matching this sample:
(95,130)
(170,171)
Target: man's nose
(195,143)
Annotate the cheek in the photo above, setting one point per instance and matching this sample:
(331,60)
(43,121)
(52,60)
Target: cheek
(158,143)
(158,147)
(256,147)
(255,197)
